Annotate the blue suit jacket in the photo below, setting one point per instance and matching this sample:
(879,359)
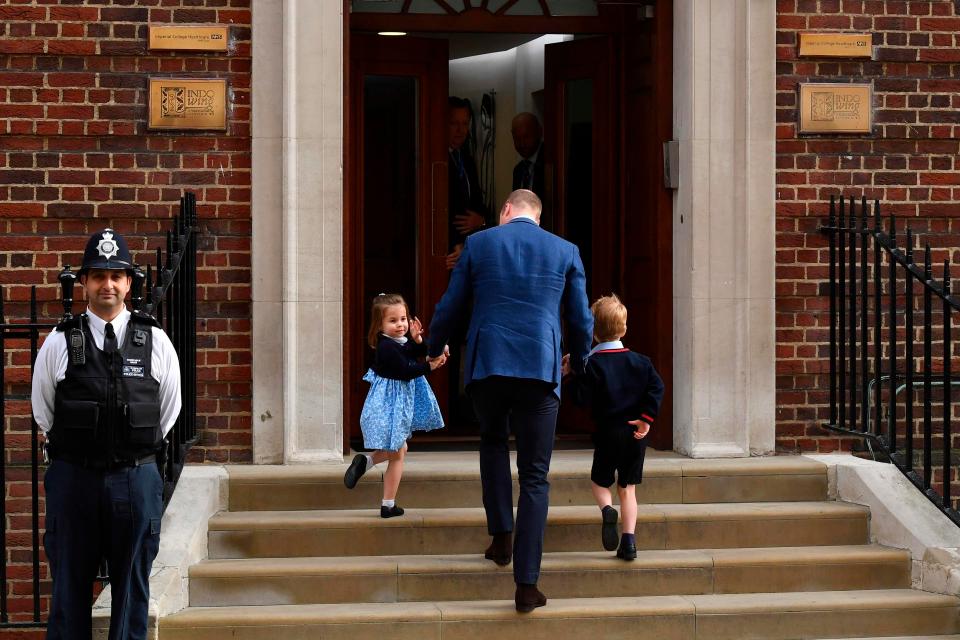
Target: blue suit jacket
(521,279)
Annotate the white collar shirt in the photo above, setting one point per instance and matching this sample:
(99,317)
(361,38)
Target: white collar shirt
(605,346)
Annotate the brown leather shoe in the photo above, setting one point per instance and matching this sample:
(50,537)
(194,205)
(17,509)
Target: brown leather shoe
(500,549)
(528,598)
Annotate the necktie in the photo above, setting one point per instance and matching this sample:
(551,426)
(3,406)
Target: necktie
(109,339)
(461,171)
(527,175)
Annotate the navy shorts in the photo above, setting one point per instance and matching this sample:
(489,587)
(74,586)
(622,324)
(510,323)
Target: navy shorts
(616,451)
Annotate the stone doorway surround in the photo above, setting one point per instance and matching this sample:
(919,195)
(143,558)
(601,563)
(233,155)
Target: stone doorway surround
(723,241)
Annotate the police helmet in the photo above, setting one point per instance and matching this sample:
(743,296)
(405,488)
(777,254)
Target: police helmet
(106,250)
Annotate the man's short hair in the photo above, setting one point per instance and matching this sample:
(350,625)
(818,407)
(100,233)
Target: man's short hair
(609,318)
(525,199)
(454,102)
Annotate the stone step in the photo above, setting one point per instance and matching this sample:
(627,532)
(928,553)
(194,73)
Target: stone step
(769,616)
(946,637)
(564,575)
(279,534)
(438,480)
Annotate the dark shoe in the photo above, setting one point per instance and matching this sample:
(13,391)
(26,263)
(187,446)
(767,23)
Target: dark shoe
(356,469)
(528,598)
(500,549)
(627,551)
(390,512)
(609,531)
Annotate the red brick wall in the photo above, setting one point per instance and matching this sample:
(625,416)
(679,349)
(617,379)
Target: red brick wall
(910,163)
(75,156)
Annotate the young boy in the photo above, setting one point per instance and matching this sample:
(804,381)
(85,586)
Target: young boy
(624,392)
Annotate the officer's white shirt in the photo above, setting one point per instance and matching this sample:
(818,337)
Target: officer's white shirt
(53,358)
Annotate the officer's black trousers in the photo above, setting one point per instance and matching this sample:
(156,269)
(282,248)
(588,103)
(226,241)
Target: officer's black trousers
(101,514)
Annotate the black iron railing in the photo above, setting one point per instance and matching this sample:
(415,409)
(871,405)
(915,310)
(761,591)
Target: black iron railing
(171,288)
(883,307)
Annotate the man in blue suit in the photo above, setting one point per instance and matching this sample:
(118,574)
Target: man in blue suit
(521,278)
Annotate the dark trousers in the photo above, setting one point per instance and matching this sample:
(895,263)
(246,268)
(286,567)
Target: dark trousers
(94,514)
(528,408)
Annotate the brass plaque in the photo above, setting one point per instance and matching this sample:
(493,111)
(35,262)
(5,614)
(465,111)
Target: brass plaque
(836,108)
(836,45)
(188,38)
(181,103)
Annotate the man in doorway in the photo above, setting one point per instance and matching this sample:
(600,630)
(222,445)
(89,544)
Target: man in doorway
(519,277)
(106,390)
(528,142)
(467,213)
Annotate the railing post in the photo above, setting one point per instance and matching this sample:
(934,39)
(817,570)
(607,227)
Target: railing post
(35,462)
(947,408)
(3,466)
(908,345)
(832,241)
(852,276)
(927,369)
(864,337)
(841,317)
(136,288)
(877,323)
(67,280)
(892,346)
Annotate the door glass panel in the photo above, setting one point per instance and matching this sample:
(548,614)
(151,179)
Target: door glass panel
(390,186)
(578,187)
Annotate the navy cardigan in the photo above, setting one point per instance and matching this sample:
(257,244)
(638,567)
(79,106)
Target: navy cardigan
(399,361)
(619,385)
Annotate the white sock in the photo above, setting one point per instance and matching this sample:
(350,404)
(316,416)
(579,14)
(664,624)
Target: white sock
(388,503)
(369,458)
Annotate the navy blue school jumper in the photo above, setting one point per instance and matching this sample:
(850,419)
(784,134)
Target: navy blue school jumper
(618,385)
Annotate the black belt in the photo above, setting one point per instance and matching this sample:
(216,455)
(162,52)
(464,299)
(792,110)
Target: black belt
(104,465)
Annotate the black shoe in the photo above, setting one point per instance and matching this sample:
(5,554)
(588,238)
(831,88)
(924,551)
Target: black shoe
(528,598)
(356,469)
(609,531)
(627,551)
(500,549)
(390,512)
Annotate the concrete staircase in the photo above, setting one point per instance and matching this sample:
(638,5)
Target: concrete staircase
(732,549)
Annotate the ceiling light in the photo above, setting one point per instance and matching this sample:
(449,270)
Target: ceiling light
(391,33)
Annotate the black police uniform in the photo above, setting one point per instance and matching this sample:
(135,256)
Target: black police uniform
(103,487)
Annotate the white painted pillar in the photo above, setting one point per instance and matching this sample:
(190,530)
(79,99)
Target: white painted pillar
(723,240)
(297,231)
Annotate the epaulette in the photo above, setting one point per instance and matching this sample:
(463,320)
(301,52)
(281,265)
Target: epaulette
(70,323)
(144,318)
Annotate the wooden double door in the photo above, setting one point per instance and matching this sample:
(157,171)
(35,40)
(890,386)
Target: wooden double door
(602,145)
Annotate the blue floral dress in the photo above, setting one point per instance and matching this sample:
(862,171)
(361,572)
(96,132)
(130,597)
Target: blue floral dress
(400,400)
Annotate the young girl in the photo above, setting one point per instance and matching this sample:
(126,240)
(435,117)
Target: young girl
(399,400)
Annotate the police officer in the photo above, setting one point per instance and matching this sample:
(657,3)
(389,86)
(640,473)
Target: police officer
(106,390)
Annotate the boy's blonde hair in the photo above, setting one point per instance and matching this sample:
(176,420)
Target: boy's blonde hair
(609,318)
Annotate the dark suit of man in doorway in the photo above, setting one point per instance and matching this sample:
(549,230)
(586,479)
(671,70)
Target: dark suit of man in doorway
(519,277)
(467,212)
(528,142)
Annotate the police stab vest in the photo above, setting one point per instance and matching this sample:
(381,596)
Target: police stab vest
(107,409)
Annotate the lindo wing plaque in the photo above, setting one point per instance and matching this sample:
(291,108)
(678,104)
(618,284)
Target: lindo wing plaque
(177,103)
(836,108)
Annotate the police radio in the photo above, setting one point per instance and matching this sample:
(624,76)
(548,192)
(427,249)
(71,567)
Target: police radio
(77,348)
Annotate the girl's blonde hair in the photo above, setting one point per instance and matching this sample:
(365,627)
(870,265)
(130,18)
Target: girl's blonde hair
(609,318)
(380,303)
